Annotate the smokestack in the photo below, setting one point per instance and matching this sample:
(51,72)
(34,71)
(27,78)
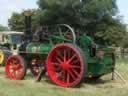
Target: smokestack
(28,33)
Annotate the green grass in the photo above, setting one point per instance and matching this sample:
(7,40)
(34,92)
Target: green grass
(103,87)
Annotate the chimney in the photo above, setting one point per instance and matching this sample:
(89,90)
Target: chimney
(28,33)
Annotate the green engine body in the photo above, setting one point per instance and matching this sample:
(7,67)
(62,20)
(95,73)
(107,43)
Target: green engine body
(99,59)
(38,49)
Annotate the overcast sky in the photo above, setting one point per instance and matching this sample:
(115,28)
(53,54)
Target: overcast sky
(9,6)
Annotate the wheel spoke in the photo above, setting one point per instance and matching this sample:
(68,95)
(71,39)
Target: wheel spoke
(75,61)
(11,67)
(11,63)
(19,71)
(60,31)
(71,74)
(74,66)
(65,55)
(69,54)
(72,58)
(58,59)
(59,55)
(55,63)
(56,66)
(75,72)
(14,73)
(59,75)
(21,68)
(68,78)
(63,75)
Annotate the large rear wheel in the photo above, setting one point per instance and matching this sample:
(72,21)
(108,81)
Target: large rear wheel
(66,65)
(15,67)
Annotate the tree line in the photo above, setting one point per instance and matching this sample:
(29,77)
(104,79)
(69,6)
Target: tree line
(98,18)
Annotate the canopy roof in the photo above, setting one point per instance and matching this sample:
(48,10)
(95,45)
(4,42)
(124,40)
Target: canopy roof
(10,32)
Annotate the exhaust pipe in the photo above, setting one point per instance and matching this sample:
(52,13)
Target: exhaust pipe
(28,33)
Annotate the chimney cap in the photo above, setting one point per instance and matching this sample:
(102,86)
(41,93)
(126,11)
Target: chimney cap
(28,13)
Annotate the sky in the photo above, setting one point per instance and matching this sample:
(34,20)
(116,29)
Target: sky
(7,7)
(123,9)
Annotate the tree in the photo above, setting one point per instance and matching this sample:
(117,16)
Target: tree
(95,17)
(2,28)
(75,12)
(124,42)
(58,11)
(110,31)
(17,21)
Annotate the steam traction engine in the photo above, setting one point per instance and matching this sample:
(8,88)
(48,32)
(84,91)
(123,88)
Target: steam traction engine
(68,57)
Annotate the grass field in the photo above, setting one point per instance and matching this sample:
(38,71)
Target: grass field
(103,87)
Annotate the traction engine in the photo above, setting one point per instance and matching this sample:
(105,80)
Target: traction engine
(66,56)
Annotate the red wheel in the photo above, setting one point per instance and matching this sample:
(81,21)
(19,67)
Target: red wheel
(66,65)
(15,68)
(36,65)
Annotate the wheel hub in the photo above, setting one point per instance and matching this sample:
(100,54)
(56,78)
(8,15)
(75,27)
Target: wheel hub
(65,65)
(15,67)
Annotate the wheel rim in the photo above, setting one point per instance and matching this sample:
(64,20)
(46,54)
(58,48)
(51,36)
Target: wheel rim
(65,65)
(73,37)
(1,56)
(15,68)
(36,66)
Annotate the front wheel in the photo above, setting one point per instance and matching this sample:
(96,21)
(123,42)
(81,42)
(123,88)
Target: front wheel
(66,65)
(15,67)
